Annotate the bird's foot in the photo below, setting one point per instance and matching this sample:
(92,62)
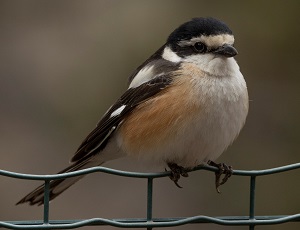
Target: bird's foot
(176,172)
(223,169)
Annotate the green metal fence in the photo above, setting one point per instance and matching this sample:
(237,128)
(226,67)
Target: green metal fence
(149,222)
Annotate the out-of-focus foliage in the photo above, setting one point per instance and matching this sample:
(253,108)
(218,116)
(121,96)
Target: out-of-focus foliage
(62,63)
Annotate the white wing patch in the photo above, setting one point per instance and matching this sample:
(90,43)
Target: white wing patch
(171,56)
(142,76)
(118,111)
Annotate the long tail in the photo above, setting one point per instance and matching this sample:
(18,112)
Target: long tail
(58,186)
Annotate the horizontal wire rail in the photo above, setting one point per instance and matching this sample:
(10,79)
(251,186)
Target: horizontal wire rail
(149,222)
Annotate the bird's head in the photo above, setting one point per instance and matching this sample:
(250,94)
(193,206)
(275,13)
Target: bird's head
(205,42)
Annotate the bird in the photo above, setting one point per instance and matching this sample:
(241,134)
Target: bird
(183,107)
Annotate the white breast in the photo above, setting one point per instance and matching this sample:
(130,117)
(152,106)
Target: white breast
(223,106)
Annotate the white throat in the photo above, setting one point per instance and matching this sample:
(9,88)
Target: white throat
(213,64)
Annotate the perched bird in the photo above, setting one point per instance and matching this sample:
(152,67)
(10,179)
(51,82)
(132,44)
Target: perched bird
(184,106)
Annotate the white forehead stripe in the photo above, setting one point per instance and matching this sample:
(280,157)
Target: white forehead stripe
(171,56)
(118,111)
(211,41)
(142,76)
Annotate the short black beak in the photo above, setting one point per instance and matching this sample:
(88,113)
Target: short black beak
(226,50)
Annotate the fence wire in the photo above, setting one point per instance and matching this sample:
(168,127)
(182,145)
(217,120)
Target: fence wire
(149,222)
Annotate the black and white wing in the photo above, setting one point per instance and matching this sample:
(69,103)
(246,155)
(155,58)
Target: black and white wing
(98,138)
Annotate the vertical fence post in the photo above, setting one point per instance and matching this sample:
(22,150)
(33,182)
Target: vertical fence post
(252,201)
(46,201)
(149,200)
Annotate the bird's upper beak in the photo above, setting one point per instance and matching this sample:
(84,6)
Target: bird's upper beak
(226,50)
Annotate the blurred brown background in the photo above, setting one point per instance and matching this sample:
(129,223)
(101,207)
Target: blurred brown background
(62,63)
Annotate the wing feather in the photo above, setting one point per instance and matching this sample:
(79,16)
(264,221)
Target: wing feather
(99,137)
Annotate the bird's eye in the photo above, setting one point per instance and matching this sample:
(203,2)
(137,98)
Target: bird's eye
(200,47)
